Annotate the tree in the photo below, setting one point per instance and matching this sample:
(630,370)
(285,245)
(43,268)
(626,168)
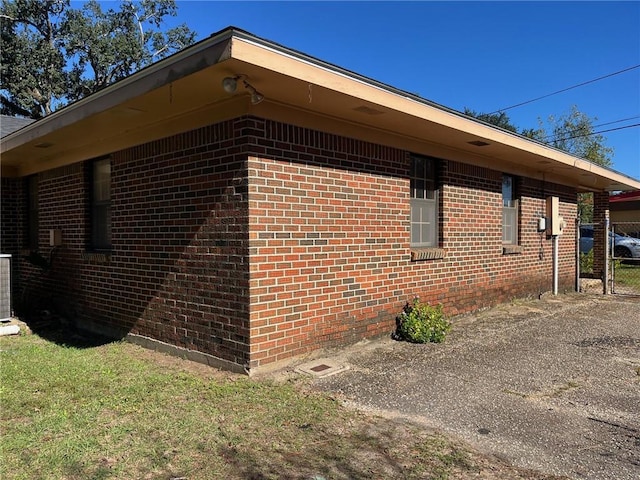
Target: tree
(574,133)
(499,119)
(53,54)
(31,63)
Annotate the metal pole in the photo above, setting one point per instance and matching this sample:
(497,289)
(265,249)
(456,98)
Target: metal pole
(555,264)
(612,259)
(577,254)
(605,273)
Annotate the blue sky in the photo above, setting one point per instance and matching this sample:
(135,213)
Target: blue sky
(481,55)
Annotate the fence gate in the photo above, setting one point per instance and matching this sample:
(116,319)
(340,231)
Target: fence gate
(624,264)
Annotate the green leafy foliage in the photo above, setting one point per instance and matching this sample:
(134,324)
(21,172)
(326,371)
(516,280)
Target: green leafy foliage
(499,119)
(53,54)
(31,62)
(422,323)
(586,262)
(573,132)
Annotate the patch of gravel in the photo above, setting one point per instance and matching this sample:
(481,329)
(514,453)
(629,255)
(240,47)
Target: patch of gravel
(549,385)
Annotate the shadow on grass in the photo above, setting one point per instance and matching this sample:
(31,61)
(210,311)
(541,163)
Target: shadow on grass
(383,452)
(57,329)
(323,461)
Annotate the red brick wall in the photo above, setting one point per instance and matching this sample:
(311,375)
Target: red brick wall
(180,235)
(329,238)
(11,214)
(177,271)
(324,218)
(36,288)
(12,233)
(600,224)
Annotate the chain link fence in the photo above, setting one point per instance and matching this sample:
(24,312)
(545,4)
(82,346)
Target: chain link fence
(585,248)
(624,265)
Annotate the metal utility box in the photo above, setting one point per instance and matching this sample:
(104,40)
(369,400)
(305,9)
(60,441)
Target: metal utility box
(555,222)
(55,238)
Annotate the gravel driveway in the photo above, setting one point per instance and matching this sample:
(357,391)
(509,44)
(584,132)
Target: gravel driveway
(551,385)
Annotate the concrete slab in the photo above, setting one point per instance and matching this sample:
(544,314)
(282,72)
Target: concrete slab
(13,326)
(551,385)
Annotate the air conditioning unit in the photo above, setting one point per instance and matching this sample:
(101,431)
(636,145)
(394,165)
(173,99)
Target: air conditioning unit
(5,286)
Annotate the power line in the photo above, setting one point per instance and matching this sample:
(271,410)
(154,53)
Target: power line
(596,133)
(595,126)
(565,89)
(616,121)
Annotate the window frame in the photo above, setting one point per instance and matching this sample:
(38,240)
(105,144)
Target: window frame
(100,206)
(510,210)
(424,194)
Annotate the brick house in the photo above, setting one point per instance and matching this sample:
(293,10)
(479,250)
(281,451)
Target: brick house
(243,203)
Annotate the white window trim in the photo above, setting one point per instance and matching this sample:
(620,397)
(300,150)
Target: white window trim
(431,204)
(513,214)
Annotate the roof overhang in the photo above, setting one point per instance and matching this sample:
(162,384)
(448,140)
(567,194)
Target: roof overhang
(184,92)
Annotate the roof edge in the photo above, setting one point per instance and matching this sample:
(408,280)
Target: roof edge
(151,77)
(301,56)
(12,140)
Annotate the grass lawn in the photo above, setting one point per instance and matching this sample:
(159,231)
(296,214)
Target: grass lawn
(628,275)
(119,411)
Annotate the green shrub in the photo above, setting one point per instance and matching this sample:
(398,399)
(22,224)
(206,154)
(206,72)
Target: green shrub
(422,323)
(586,262)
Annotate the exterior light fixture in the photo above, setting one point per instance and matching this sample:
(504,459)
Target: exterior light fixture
(256,96)
(230,85)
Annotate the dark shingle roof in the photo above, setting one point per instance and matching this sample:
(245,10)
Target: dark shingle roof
(11,124)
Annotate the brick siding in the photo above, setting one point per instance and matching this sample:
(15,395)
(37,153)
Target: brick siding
(329,237)
(255,241)
(12,232)
(601,223)
(178,269)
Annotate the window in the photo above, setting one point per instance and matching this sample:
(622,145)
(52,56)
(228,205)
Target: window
(101,204)
(32,212)
(509,211)
(424,202)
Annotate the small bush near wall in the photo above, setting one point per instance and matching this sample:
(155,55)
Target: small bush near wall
(421,323)
(586,263)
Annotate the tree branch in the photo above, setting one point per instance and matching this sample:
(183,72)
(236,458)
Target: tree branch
(158,52)
(9,106)
(139,22)
(26,21)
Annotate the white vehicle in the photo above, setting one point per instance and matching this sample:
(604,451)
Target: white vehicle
(623,246)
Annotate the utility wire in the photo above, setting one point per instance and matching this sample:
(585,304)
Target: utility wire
(596,133)
(565,89)
(594,126)
(616,121)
